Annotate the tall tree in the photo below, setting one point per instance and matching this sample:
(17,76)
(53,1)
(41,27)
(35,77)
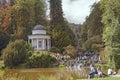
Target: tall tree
(60,32)
(56,14)
(92,29)
(95,26)
(111,35)
(26,14)
(83,33)
(5,18)
(21,12)
(39,9)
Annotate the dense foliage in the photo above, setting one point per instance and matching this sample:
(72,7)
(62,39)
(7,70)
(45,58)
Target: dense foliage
(92,29)
(56,14)
(54,49)
(60,39)
(5,18)
(16,52)
(19,18)
(41,60)
(71,51)
(26,14)
(111,33)
(61,34)
(93,44)
(4,40)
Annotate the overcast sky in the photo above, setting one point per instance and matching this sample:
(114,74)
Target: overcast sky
(76,10)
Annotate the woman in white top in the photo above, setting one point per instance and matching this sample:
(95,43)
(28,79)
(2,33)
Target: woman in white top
(110,71)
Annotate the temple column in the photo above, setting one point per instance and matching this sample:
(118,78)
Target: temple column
(32,42)
(37,44)
(43,44)
(48,44)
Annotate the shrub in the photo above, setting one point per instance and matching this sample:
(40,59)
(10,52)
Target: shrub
(94,44)
(42,60)
(71,51)
(16,52)
(60,38)
(54,49)
(4,40)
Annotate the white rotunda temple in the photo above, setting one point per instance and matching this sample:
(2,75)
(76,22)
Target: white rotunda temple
(39,39)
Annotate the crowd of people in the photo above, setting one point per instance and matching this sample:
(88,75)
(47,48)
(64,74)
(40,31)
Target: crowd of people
(85,59)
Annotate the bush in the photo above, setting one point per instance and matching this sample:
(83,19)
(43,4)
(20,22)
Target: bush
(42,60)
(60,38)
(71,51)
(117,61)
(94,44)
(54,49)
(4,40)
(16,52)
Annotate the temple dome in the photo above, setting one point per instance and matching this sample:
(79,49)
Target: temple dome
(39,27)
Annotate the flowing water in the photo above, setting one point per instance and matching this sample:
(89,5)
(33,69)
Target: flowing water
(44,74)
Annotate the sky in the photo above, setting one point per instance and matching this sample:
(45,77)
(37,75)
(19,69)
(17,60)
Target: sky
(75,11)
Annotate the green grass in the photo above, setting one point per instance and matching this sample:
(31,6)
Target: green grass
(105,78)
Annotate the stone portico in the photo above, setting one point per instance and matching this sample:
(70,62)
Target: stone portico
(39,39)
